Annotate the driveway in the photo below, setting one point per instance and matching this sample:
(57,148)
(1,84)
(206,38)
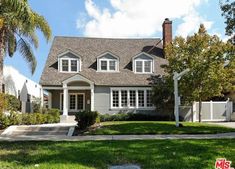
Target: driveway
(226,124)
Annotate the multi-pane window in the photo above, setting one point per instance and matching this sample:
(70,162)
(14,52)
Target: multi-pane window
(74,65)
(76,101)
(80,101)
(115,98)
(69,65)
(72,101)
(141,98)
(65,65)
(147,66)
(108,65)
(139,66)
(112,65)
(123,98)
(104,65)
(131,98)
(149,98)
(143,66)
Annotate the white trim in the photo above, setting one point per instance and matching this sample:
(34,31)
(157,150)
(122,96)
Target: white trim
(69,87)
(60,61)
(119,89)
(134,63)
(99,59)
(76,94)
(77,77)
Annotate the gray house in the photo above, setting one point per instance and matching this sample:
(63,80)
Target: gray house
(103,74)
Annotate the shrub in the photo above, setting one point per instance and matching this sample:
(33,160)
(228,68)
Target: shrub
(3,102)
(50,116)
(36,105)
(134,117)
(55,115)
(86,118)
(13,104)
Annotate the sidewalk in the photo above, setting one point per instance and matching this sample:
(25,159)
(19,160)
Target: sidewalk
(118,137)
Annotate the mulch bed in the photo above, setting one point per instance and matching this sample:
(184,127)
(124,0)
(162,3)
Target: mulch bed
(78,132)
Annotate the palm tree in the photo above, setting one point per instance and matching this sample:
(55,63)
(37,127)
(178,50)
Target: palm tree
(18,25)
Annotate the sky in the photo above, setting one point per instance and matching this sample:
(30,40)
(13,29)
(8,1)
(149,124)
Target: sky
(119,19)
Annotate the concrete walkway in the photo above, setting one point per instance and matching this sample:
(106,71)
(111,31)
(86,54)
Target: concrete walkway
(118,137)
(225,124)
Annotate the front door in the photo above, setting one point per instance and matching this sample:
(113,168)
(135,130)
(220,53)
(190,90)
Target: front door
(80,101)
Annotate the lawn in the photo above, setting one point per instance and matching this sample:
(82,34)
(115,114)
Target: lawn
(149,154)
(155,127)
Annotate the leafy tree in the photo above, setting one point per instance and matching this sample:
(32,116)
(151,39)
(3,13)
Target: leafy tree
(163,96)
(18,25)
(205,56)
(228,11)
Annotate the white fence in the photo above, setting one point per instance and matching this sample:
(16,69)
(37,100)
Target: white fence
(210,111)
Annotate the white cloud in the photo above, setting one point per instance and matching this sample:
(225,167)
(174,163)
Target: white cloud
(141,18)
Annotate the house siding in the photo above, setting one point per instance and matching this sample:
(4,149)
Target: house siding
(102,103)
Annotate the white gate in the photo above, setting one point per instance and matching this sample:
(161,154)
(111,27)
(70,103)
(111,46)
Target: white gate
(213,111)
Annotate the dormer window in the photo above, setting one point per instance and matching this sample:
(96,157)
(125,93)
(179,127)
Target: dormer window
(107,63)
(69,63)
(143,63)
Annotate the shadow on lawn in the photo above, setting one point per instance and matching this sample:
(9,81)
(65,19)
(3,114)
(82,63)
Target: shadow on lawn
(158,128)
(161,154)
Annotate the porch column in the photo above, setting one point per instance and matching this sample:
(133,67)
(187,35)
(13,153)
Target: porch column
(49,100)
(92,97)
(65,100)
(42,97)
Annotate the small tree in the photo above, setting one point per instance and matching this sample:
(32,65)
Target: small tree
(228,11)
(205,56)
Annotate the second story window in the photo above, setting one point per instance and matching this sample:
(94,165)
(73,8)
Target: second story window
(143,63)
(65,65)
(107,62)
(69,65)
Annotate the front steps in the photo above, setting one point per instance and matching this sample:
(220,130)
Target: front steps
(68,119)
(36,130)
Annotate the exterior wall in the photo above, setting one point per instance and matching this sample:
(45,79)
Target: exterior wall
(20,86)
(102,103)
(56,98)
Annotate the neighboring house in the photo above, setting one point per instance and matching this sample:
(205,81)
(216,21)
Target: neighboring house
(103,74)
(20,86)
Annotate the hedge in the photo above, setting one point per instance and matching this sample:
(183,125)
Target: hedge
(50,116)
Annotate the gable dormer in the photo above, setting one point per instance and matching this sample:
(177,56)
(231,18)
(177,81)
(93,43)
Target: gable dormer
(107,62)
(143,63)
(69,62)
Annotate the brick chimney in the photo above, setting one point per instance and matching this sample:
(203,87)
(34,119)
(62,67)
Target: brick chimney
(166,32)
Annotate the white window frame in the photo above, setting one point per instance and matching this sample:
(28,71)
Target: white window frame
(108,65)
(119,89)
(73,110)
(143,66)
(102,58)
(69,65)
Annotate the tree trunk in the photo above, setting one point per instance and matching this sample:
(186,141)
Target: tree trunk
(200,111)
(2,53)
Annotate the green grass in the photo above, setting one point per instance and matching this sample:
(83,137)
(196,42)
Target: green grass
(154,127)
(149,154)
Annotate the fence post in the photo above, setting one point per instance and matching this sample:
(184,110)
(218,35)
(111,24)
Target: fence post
(228,112)
(211,109)
(194,112)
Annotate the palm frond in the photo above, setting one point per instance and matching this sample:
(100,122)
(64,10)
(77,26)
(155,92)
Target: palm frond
(27,52)
(11,43)
(42,24)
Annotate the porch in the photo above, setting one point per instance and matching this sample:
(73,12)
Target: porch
(75,94)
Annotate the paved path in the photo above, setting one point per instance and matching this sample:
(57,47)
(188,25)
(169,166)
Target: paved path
(226,124)
(117,137)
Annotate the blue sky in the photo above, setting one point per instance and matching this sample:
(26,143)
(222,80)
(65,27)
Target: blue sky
(119,18)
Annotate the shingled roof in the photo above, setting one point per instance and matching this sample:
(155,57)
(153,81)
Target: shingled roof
(90,48)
